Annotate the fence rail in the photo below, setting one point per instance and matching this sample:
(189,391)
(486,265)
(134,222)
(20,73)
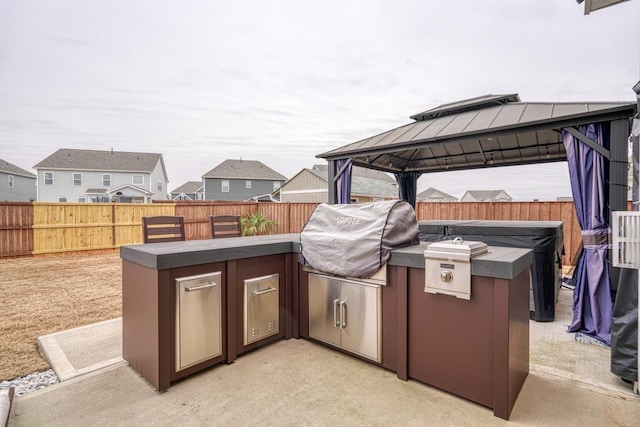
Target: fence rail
(53,228)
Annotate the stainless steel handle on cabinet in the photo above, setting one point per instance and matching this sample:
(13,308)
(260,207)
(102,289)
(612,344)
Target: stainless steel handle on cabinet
(197,288)
(343,314)
(264,291)
(336,309)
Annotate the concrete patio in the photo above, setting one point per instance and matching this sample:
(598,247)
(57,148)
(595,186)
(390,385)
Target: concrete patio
(298,382)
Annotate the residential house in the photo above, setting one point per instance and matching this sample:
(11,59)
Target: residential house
(191,191)
(486,196)
(16,184)
(433,195)
(71,175)
(311,185)
(240,180)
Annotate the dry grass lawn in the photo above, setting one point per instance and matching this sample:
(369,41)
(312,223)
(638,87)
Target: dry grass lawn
(41,295)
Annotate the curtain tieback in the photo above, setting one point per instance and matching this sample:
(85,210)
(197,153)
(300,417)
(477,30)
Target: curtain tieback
(596,237)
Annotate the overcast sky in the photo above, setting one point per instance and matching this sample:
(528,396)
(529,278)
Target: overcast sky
(283,81)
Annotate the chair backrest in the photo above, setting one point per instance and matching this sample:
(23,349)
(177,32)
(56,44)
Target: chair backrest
(156,229)
(225,226)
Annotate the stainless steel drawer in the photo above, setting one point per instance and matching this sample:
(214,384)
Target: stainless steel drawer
(198,319)
(261,307)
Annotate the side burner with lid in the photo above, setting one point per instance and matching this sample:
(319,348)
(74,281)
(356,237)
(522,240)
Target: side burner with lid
(447,267)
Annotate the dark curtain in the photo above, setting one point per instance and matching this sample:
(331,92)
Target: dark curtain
(624,327)
(343,184)
(592,305)
(407,186)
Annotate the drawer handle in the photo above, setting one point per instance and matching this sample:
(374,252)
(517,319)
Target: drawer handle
(264,291)
(197,288)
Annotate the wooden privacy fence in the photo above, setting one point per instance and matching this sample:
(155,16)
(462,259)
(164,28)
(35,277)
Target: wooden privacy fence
(16,229)
(52,228)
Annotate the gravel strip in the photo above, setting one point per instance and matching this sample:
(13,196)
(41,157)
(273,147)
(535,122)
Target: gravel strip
(31,382)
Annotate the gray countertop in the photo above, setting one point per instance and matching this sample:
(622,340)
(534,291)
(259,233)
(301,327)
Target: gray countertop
(161,256)
(499,262)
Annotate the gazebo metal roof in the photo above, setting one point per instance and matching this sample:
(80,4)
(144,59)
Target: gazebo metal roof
(487,131)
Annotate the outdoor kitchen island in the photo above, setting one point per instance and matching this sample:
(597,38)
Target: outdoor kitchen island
(477,349)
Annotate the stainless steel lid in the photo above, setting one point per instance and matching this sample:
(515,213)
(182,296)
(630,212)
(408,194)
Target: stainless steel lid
(458,246)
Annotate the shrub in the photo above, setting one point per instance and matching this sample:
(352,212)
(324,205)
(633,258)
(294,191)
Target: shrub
(257,223)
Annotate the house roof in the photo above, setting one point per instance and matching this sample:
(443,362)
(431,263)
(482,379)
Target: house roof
(189,187)
(244,169)
(14,170)
(364,186)
(363,172)
(133,187)
(485,194)
(434,193)
(466,105)
(94,160)
(592,5)
(487,131)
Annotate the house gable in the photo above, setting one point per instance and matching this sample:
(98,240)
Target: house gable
(16,184)
(433,195)
(191,190)
(311,185)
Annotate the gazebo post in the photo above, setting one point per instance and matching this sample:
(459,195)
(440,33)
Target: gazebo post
(618,179)
(331,182)
(618,166)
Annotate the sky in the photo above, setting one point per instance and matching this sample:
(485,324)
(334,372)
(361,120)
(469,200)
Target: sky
(282,81)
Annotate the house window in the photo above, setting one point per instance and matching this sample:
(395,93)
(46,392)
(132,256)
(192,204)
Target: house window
(48,178)
(10,181)
(106,180)
(276,185)
(247,184)
(62,199)
(77,178)
(82,200)
(225,185)
(137,180)
(159,185)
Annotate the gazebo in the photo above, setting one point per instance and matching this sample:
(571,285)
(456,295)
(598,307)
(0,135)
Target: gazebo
(501,130)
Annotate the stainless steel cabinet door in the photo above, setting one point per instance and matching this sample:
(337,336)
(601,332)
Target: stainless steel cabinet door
(198,319)
(360,321)
(324,308)
(261,307)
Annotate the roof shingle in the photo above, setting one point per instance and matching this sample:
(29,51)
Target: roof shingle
(188,187)
(13,169)
(243,169)
(66,158)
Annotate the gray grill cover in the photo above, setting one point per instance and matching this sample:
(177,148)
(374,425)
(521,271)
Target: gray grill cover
(355,240)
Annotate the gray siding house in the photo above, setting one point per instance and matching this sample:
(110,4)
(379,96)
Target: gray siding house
(16,184)
(70,175)
(240,180)
(190,191)
(311,186)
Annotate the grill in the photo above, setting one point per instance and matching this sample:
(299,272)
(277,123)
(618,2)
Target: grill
(347,247)
(447,267)
(356,240)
